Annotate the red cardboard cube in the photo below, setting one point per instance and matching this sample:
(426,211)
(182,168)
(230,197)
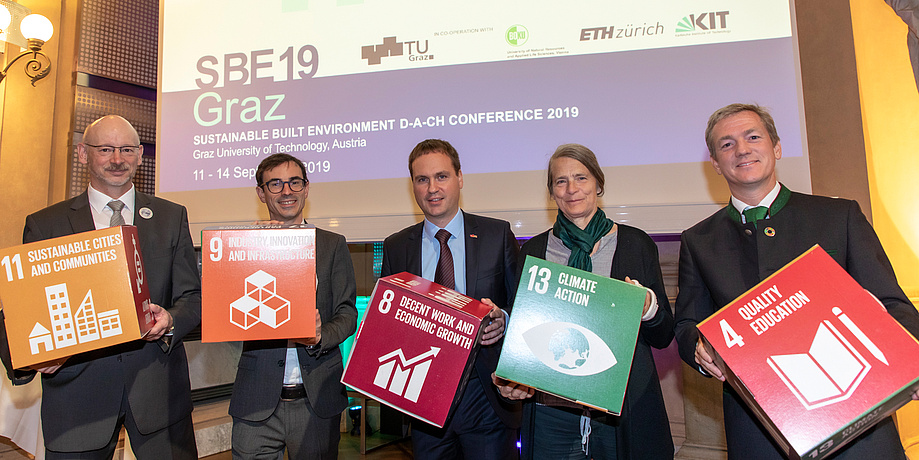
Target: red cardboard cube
(416,346)
(258,283)
(817,357)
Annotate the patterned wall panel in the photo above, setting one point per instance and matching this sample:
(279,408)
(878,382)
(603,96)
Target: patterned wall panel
(92,104)
(118,40)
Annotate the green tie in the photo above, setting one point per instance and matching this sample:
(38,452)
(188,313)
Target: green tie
(751,215)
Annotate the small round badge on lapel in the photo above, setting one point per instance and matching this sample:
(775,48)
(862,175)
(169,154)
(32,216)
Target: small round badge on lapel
(146,213)
(769,231)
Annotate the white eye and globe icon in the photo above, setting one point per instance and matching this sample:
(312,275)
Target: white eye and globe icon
(569,348)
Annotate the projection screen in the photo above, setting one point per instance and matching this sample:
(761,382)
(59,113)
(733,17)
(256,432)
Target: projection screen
(350,86)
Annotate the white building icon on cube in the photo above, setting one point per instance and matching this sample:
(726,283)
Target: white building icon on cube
(68,328)
(61,319)
(261,304)
(40,336)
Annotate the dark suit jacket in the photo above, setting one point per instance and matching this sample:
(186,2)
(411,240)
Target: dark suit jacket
(642,429)
(257,389)
(80,402)
(491,258)
(720,259)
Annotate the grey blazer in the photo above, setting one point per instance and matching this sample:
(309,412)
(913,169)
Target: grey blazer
(257,389)
(721,258)
(80,402)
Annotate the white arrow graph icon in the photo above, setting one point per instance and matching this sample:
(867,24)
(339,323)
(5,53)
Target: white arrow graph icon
(404,377)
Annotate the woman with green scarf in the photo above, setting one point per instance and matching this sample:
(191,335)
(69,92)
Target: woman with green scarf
(583,237)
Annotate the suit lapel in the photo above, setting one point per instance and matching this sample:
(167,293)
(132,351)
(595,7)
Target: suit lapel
(81,216)
(142,200)
(470,227)
(413,251)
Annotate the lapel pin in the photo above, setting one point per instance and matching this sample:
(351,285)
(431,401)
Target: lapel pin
(769,231)
(473,235)
(145,212)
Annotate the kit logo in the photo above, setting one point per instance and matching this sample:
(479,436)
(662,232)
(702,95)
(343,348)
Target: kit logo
(569,348)
(831,369)
(390,47)
(712,20)
(68,328)
(404,377)
(261,304)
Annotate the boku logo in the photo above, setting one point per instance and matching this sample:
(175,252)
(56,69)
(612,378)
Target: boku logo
(374,54)
(516,35)
(713,20)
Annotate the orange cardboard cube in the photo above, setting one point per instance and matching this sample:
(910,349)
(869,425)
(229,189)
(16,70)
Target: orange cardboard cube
(258,283)
(74,294)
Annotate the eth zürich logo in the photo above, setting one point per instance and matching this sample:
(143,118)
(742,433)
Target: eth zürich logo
(569,348)
(712,20)
(516,35)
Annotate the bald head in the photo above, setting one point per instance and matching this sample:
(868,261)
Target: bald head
(107,126)
(111,150)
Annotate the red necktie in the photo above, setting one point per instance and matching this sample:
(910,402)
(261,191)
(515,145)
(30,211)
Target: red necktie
(444,273)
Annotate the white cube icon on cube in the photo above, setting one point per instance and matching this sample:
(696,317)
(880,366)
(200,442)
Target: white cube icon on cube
(244,312)
(260,286)
(274,311)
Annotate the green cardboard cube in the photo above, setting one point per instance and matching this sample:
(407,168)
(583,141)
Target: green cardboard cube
(572,334)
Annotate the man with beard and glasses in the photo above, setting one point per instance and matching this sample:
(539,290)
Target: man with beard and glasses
(142,385)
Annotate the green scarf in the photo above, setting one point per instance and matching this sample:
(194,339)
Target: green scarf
(581,242)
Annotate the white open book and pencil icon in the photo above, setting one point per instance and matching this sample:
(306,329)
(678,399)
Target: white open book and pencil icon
(831,369)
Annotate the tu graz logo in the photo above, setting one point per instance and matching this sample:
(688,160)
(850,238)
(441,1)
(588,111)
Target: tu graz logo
(417,50)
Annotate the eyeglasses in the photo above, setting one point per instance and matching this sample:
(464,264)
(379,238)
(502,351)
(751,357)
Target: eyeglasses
(277,185)
(108,150)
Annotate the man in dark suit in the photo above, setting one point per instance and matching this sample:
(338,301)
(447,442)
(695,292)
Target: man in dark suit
(288,394)
(728,253)
(484,254)
(142,385)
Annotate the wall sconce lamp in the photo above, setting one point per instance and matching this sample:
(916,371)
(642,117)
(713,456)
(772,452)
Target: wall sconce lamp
(36,29)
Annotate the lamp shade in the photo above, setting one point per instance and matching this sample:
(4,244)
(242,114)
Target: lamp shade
(5,17)
(36,26)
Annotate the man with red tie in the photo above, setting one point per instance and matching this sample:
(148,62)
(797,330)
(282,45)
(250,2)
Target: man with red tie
(476,256)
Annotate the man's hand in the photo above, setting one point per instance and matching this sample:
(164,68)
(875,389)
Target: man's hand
(708,364)
(313,340)
(495,328)
(916,395)
(50,367)
(163,323)
(511,390)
